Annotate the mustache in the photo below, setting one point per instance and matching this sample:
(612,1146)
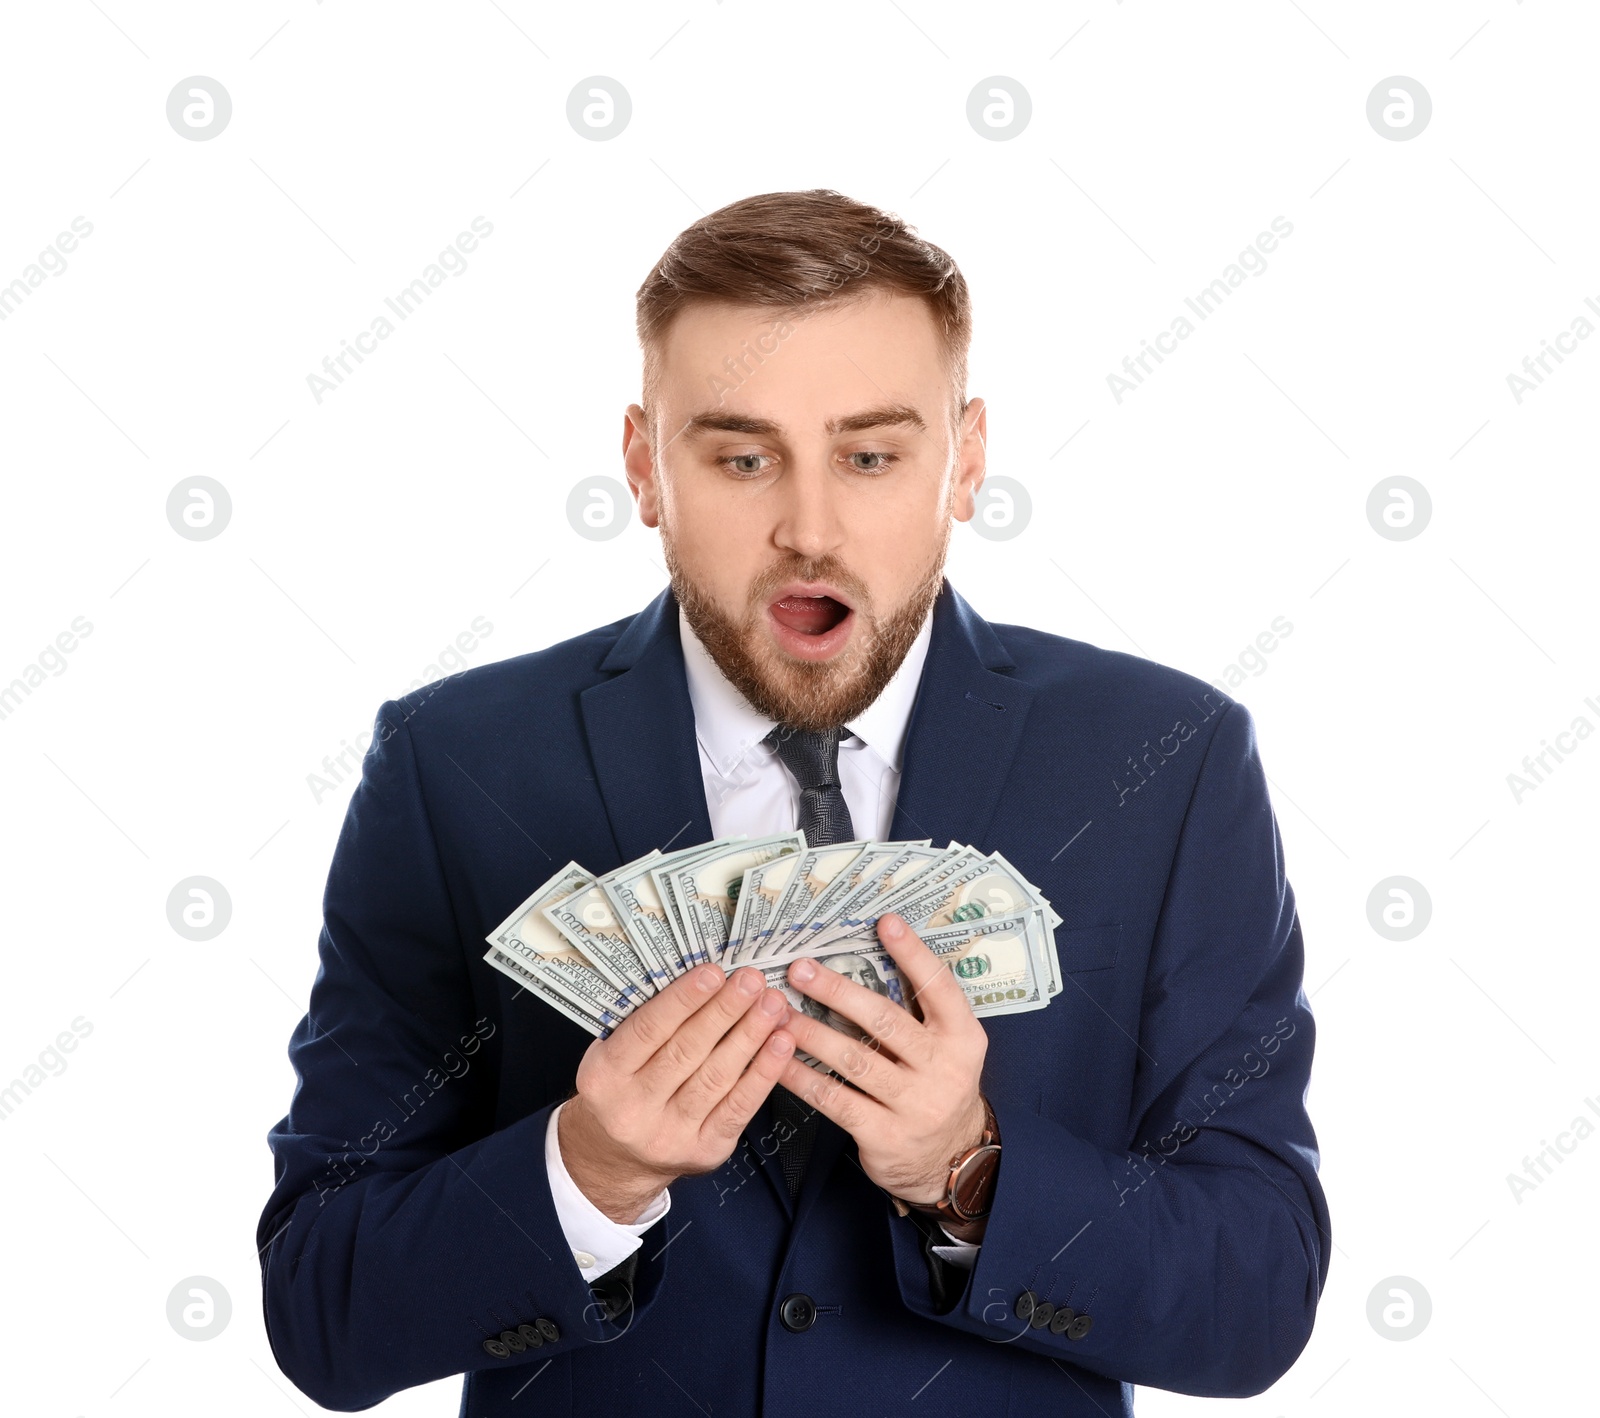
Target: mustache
(804,568)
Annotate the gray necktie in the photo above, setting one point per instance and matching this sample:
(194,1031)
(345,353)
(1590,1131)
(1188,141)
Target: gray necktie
(813,758)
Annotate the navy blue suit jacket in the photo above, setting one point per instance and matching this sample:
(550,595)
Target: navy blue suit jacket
(1158,1172)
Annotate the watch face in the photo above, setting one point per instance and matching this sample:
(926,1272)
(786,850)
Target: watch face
(973,1190)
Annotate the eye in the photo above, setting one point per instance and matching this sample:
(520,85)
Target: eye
(738,464)
(882,465)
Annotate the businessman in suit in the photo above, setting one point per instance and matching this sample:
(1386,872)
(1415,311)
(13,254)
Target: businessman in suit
(1034,1211)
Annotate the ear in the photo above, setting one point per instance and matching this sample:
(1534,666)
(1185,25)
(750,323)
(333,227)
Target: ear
(639,464)
(971,459)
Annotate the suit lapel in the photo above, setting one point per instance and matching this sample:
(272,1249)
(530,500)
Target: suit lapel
(965,728)
(640,727)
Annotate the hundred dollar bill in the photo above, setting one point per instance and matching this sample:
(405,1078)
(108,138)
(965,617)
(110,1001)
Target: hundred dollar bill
(636,897)
(965,889)
(587,920)
(528,937)
(870,968)
(704,890)
(658,966)
(881,881)
(815,870)
(804,926)
(820,910)
(1000,861)
(535,986)
(959,864)
(1052,959)
(993,960)
(760,891)
(997,960)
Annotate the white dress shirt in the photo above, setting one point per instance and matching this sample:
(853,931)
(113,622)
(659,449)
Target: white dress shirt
(749,790)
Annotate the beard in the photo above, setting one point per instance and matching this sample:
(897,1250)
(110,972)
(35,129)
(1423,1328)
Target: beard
(806,694)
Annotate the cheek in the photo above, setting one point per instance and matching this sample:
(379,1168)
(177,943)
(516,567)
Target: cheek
(718,539)
(892,550)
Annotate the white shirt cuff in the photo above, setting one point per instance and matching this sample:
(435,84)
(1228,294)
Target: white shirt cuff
(597,1243)
(962,1253)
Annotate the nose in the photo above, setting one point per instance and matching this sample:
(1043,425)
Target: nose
(811,516)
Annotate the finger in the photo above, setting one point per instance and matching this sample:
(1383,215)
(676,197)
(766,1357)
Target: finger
(692,1042)
(833,1098)
(858,1060)
(732,1115)
(876,1014)
(710,1083)
(633,1042)
(929,981)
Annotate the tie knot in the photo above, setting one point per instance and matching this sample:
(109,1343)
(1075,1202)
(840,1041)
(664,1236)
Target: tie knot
(812,755)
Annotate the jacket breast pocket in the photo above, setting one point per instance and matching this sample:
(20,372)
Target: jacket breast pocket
(1084,948)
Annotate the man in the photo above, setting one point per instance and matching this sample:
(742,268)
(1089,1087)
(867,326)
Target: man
(683,1217)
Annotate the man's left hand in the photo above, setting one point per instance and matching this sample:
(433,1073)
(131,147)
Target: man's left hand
(918,1104)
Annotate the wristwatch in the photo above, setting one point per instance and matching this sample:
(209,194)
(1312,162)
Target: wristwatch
(969,1190)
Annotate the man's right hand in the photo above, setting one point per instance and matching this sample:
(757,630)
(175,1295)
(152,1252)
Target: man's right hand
(667,1094)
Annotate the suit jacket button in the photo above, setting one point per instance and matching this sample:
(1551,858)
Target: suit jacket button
(498,1347)
(512,1341)
(530,1336)
(1043,1312)
(797,1313)
(547,1327)
(1080,1326)
(1063,1317)
(1025,1303)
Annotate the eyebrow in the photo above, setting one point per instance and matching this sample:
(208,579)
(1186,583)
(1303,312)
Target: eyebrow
(883,416)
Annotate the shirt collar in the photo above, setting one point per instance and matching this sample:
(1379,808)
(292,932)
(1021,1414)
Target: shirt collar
(728,726)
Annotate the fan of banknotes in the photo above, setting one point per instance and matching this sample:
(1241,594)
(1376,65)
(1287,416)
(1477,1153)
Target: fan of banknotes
(595,948)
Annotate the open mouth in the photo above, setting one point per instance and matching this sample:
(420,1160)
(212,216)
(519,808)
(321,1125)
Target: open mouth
(809,615)
(809,623)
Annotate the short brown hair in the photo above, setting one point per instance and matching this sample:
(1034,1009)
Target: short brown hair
(801,251)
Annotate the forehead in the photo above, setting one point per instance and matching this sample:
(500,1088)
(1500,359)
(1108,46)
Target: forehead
(882,347)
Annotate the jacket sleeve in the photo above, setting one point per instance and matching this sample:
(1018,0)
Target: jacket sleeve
(404,1235)
(1193,1259)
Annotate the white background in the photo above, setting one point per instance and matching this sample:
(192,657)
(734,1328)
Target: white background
(371,529)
